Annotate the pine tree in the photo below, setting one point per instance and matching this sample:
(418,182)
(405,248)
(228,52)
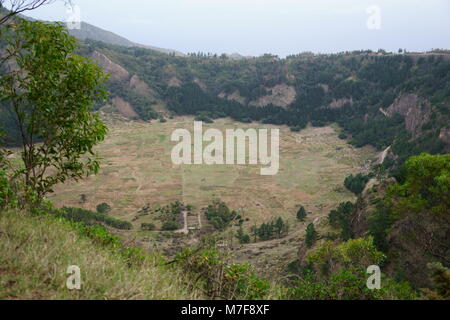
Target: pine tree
(311,235)
(301,214)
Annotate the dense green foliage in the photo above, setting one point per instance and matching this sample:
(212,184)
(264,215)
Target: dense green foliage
(339,273)
(220,279)
(410,221)
(103,208)
(243,237)
(357,183)
(311,235)
(89,218)
(170,226)
(426,187)
(441,282)
(340,218)
(425,190)
(301,214)
(170,216)
(148,226)
(275,229)
(220,215)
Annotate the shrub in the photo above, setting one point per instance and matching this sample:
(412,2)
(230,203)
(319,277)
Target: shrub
(311,235)
(91,218)
(221,280)
(340,273)
(204,117)
(148,226)
(356,184)
(242,236)
(301,214)
(170,226)
(103,208)
(340,218)
(272,230)
(220,215)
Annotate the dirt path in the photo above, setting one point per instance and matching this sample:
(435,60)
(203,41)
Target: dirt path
(185,229)
(200,226)
(135,177)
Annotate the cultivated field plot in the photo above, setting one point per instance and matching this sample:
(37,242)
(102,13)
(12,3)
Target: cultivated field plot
(137,170)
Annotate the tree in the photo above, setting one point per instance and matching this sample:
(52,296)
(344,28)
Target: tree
(50,93)
(311,235)
(441,281)
(220,215)
(426,187)
(103,208)
(281,228)
(148,227)
(242,236)
(340,218)
(301,214)
(83,198)
(170,226)
(357,183)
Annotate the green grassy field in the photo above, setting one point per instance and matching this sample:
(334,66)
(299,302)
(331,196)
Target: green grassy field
(137,170)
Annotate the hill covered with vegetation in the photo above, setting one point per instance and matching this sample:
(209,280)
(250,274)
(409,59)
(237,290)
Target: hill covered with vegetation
(381,99)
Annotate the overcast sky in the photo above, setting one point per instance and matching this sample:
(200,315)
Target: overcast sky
(282,27)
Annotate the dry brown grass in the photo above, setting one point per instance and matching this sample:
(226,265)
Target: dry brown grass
(35,253)
(137,170)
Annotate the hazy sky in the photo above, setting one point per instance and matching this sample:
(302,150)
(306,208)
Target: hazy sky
(255,27)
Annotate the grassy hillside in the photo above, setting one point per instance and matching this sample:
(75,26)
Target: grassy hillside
(35,252)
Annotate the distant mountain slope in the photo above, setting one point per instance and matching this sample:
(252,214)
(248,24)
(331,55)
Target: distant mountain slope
(381,99)
(89,31)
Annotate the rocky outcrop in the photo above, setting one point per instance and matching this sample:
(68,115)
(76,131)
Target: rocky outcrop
(200,84)
(115,71)
(337,104)
(141,88)
(415,110)
(124,108)
(235,96)
(445,135)
(174,82)
(382,156)
(282,96)
(366,204)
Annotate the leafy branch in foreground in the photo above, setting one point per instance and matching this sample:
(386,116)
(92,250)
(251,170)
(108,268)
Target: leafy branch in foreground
(49,91)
